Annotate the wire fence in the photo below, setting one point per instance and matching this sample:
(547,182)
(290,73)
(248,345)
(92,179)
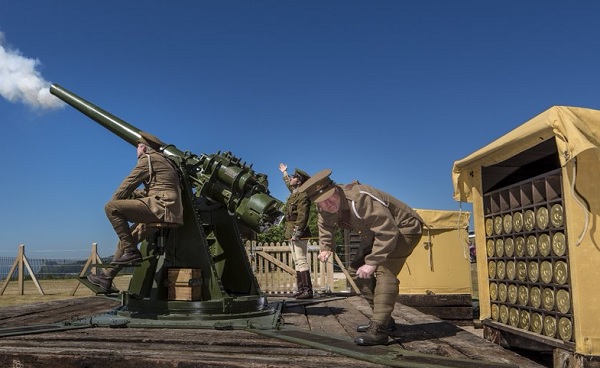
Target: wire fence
(49,268)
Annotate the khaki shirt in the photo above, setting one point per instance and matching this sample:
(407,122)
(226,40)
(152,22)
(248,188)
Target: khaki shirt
(297,212)
(375,215)
(162,192)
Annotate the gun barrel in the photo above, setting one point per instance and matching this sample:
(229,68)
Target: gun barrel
(126,131)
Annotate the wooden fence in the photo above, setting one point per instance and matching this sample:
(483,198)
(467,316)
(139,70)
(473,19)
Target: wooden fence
(271,263)
(274,269)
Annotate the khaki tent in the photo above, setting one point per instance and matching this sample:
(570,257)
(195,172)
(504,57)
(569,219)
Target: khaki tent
(551,162)
(437,276)
(440,264)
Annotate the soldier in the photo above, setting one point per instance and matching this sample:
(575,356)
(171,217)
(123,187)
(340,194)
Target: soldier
(297,211)
(159,201)
(389,231)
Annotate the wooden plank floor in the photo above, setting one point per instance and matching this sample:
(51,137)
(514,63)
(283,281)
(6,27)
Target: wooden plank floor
(138,347)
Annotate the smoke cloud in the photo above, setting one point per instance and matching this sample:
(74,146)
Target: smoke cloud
(21,82)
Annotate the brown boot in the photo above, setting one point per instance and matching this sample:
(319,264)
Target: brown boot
(375,335)
(299,284)
(307,292)
(103,282)
(130,255)
(391,327)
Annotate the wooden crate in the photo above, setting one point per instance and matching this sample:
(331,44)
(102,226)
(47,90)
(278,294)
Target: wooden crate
(184,284)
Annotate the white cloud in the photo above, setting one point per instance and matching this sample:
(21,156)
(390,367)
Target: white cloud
(20,81)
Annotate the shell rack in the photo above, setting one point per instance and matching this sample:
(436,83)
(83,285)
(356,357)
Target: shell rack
(528,261)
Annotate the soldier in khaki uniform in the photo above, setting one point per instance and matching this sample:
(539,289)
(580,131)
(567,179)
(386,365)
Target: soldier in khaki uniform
(297,212)
(389,231)
(159,201)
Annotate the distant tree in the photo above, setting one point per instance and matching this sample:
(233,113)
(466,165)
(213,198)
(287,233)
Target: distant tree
(276,233)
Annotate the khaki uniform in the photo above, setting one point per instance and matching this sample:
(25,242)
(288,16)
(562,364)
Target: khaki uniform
(159,201)
(389,231)
(297,212)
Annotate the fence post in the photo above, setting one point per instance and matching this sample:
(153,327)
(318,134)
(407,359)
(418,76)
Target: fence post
(92,260)
(21,261)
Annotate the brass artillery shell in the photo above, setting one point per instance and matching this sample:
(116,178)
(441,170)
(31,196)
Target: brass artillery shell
(509,247)
(548,299)
(520,246)
(542,218)
(498,225)
(528,220)
(493,291)
(549,326)
(489,227)
(523,295)
(546,272)
(537,323)
(560,272)
(556,215)
(492,269)
(507,224)
(513,293)
(531,246)
(559,245)
(535,297)
(495,312)
(490,247)
(544,245)
(518,222)
(504,314)
(499,247)
(565,328)
(524,320)
(501,269)
(502,292)
(521,270)
(563,301)
(533,271)
(513,317)
(511,271)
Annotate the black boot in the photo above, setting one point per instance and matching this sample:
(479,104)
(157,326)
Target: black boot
(375,335)
(299,284)
(307,292)
(391,327)
(130,255)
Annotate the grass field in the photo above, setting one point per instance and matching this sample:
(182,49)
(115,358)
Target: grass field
(56,289)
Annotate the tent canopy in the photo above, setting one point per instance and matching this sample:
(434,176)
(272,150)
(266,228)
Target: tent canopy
(574,130)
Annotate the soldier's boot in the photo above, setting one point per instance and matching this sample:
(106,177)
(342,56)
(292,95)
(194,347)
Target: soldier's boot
(102,281)
(376,334)
(307,292)
(299,285)
(130,255)
(391,326)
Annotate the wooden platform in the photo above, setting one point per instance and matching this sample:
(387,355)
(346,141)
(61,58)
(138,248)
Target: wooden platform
(136,347)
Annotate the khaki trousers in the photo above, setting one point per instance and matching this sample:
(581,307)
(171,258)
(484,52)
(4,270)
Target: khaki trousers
(299,254)
(381,290)
(121,212)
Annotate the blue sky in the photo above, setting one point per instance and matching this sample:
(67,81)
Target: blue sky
(387,92)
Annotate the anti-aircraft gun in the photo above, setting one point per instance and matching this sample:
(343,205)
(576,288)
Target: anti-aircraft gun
(218,193)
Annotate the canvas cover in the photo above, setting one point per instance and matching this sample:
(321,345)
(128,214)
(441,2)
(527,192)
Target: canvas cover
(576,132)
(440,264)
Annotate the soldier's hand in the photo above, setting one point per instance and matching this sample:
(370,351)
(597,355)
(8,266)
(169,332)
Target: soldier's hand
(282,167)
(365,271)
(324,255)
